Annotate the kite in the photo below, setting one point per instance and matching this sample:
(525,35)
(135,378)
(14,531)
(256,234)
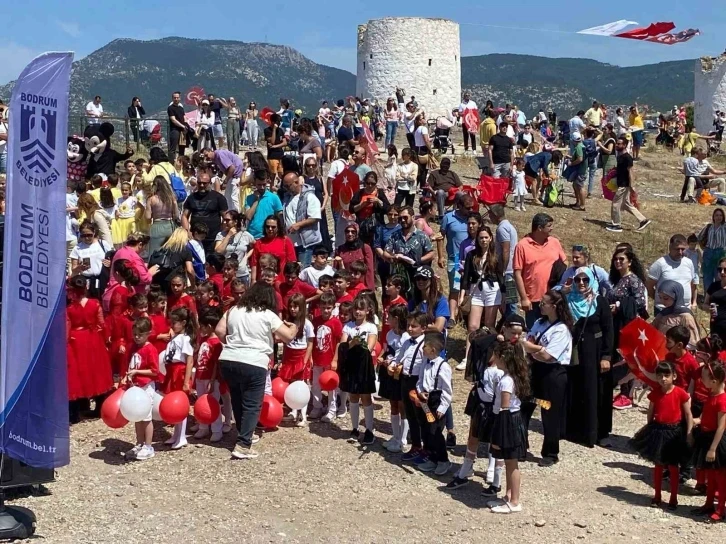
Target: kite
(678,37)
(659,32)
(609,29)
(649,31)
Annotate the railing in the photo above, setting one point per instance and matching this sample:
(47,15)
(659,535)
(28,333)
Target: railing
(124,132)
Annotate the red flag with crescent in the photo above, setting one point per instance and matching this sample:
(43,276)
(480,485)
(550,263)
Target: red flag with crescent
(265,115)
(649,31)
(369,143)
(471,119)
(642,346)
(194,95)
(345,185)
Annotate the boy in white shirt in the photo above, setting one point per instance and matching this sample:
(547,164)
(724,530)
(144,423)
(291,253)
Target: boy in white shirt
(318,267)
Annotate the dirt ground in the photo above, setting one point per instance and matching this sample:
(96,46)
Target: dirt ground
(310,485)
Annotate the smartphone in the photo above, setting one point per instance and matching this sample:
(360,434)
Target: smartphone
(87,261)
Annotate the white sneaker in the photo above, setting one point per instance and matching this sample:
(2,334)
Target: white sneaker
(507,508)
(226,428)
(396,447)
(442,467)
(316,413)
(255,438)
(216,437)
(517,208)
(302,423)
(462,365)
(328,418)
(524,208)
(131,454)
(201,433)
(387,443)
(180,444)
(342,414)
(292,416)
(243,453)
(146,452)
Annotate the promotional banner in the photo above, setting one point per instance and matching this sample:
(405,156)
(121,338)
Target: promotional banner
(33,384)
(654,29)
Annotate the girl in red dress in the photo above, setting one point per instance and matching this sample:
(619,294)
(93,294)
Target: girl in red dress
(207,295)
(297,354)
(178,298)
(116,305)
(89,368)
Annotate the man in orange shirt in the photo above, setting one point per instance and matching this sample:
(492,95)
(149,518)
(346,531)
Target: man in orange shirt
(534,256)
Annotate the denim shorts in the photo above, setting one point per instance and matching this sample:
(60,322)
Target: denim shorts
(218,131)
(454,275)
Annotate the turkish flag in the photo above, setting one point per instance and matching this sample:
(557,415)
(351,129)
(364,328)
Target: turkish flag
(369,143)
(648,32)
(345,185)
(642,346)
(678,37)
(194,95)
(471,120)
(265,115)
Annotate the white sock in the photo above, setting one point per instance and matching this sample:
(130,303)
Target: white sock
(332,402)
(403,436)
(368,412)
(396,426)
(293,414)
(355,415)
(468,464)
(497,480)
(304,413)
(180,432)
(490,468)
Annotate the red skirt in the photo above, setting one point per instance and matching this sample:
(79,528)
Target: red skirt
(174,380)
(89,366)
(293,366)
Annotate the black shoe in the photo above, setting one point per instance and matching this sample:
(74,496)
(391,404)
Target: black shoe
(491,492)
(354,436)
(450,441)
(672,506)
(703,511)
(368,438)
(643,224)
(457,482)
(548,461)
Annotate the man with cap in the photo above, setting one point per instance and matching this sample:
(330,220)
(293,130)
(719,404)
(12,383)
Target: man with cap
(501,152)
(441,181)
(576,172)
(577,124)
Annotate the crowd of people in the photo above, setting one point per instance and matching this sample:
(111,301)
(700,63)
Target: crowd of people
(215,273)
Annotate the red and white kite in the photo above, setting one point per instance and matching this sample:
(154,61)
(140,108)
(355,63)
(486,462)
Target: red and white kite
(655,32)
(194,95)
(345,185)
(678,37)
(649,31)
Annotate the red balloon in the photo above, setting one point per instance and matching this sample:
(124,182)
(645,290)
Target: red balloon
(278,389)
(376,350)
(271,413)
(206,409)
(174,407)
(329,380)
(111,410)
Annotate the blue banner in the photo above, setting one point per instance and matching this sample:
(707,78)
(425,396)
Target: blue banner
(33,383)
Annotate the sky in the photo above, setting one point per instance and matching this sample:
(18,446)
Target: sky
(326,33)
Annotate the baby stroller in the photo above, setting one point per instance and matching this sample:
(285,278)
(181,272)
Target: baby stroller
(442,140)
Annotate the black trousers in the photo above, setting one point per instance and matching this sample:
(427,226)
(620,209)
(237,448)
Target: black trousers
(404,196)
(247,389)
(410,139)
(173,144)
(408,383)
(467,136)
(550,384)
(433,437)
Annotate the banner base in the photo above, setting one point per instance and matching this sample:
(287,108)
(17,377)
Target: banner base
(15,521)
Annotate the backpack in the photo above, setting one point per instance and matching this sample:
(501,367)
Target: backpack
(590,149)
(550,195)
(197,263)
(177,185)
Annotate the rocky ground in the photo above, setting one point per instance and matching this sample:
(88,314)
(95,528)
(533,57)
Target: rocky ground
(310,485)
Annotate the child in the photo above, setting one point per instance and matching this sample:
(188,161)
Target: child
(125,216)
(160,324)
(215,269)
(355,367)
(520,187)
(229,275)
(207,374)
(143,372)
(269,276)
(394,287)
(325,285)
(389,376)
(695,253)
(207,295)
(178,298)
(292,285)
(297,354)
(406,173)
(328,332)
(108,203)
(179,360)
(410,358)
(199,232)
(509,437)
(707,439)
(358,271)
(138,306)
(318,267)
(238,289)
(341,281)
(663,440)
(434,391)
(370,296)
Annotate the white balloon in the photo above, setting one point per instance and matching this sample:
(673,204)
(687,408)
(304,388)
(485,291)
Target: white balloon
(155,415)
(135,404)
(297,395)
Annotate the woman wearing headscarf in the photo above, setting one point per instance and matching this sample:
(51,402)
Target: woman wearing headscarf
(353,249)
(590,383)
(675,311)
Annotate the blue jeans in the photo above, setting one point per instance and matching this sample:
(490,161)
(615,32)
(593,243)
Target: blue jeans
(247,389)
(304,256)
(591,169)
(391,127)
(4,160)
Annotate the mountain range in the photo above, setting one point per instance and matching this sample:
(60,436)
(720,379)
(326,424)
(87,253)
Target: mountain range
(265,72)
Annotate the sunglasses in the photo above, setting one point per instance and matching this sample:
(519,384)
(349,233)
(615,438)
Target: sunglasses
(87,235)
(271,227)
(203,183)
(403,218)
(310,165)
(370,183)
(584,281)
(721,270)
(620,259)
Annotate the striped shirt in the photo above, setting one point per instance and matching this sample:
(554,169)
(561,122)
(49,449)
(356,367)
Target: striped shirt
(716,236)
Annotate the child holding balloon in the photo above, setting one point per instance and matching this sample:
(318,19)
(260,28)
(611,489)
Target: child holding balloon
(328,332)
(143,370)
(206,378)
(179,361)
(297,353)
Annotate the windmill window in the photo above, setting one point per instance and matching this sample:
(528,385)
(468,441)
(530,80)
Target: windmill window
(371,55)
(364,65)
(429,62)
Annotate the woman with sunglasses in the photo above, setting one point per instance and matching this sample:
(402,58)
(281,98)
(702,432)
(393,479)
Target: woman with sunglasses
(88,258)
(275,242)
(590,382)
(234,242)
(549,345)
(354,249)
(715,303)
(628,300)
(251,127)
(311,178)
(370,206)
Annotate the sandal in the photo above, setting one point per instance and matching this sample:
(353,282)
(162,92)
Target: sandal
(507,508)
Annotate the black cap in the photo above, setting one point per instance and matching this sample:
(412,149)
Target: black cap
(424,272)
(515,319)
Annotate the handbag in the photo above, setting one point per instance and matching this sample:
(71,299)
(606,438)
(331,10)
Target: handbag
(465,306)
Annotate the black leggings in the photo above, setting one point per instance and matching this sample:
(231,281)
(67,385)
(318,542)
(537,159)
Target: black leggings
(550,384)
(404,196)
(408,383)
(467,136)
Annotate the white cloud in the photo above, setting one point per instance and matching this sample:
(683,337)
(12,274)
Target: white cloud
(13,58)
(70,28)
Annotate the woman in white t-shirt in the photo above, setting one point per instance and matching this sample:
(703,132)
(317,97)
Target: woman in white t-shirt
(88,257)
(409,121)
(234,242)
(549,344)
(406,174)
(422,147)
(205,123)
(246,331)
